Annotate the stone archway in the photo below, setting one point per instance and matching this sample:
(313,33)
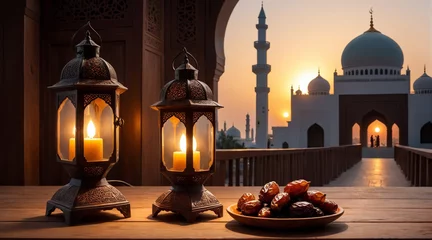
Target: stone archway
(285,145)
(367,119)
(315,136)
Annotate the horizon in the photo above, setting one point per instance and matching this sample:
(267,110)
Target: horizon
(301,45)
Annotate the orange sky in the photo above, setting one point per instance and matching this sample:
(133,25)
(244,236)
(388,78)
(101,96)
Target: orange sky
(305,35)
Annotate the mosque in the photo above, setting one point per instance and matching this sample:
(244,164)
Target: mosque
(371,100)
(248,141)
(372,91)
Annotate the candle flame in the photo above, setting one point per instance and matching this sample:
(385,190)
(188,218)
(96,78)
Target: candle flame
(73,131)
(91,129)
(183,143)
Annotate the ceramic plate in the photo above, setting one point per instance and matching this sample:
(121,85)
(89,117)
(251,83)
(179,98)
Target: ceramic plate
(282,223)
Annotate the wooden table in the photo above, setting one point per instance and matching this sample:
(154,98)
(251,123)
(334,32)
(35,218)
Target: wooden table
(370,213)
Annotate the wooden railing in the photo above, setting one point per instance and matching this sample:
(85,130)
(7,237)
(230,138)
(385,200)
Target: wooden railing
(255,167)
(416,164)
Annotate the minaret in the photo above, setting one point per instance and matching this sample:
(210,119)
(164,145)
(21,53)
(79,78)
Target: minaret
(247,127)
(252,133)
(224,126)
(261,69)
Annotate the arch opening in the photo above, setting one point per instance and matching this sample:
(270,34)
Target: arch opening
(285,145)
(315,136)
(355,133)
(426,133)
(395,134)
(377,132)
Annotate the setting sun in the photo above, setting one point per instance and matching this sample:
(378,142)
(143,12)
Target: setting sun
(285,114)
(377,129)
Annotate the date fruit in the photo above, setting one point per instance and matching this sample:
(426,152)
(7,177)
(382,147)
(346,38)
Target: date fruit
(280,201)
(302,210)
(251,208)
(318,212)
(268,191)
(246,197)
(297,187)
(265,212)
(329,207)
(314,197)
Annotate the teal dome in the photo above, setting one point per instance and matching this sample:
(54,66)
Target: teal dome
(372,48)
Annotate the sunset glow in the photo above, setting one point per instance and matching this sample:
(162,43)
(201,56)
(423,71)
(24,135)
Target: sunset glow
(377,129)
(285,114)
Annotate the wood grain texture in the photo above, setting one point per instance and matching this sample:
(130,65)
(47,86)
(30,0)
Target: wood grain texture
(370,213)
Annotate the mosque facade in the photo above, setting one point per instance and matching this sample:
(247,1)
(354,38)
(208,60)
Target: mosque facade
(373,86)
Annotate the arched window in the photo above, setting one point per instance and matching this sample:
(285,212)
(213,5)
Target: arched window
(376,71)
(285,145)
(357,72)
(361,72)
(315,136)
(386,72)
(391,72)
(426,133)
(381,72)
(366,72)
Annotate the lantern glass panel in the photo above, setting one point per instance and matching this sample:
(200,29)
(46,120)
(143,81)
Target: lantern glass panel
(203,132)
(66,130)
(98,131)
(174,145)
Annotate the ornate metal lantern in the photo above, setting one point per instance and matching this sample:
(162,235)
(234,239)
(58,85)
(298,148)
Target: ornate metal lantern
(87,101)
(187,127)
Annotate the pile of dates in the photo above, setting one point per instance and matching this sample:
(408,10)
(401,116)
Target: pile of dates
(296,201)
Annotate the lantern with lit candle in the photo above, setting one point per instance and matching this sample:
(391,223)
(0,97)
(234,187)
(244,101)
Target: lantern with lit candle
(87,100)
(187,126)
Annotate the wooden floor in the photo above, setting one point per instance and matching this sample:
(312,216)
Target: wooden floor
(370,213)
(372,172)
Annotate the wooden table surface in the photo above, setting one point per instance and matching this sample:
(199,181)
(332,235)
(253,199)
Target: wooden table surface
(370,213)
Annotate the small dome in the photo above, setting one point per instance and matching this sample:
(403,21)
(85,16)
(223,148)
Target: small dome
(423,83)
(372,48)
(319,86)
(233,132)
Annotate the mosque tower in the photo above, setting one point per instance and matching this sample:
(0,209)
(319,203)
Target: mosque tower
(247,127)
(261,69)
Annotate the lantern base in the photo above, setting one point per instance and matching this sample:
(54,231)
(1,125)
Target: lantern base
(77,199)
(187,201)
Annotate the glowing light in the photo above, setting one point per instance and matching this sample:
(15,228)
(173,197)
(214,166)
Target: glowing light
(285,114)
(377,129)
(303,80)
(183,143)
(73,131)
(91,129)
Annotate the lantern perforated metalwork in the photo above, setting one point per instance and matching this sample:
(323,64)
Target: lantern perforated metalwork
(187,127)
(88,122)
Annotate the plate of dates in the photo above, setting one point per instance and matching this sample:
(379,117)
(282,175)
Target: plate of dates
(296,206)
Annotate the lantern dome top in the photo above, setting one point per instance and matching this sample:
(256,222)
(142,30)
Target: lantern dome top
(87,69)
(186,90)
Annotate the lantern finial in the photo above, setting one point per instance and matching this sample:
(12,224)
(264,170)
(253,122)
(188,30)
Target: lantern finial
(186,58)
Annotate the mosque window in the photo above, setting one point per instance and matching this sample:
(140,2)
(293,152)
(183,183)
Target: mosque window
(386,72)
(285,145)
(426,133)
(366,72)
(357,72)
(381,72)
(376,71)
(361,72)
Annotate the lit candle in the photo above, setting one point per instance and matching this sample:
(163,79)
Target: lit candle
(179,157)
(93,147)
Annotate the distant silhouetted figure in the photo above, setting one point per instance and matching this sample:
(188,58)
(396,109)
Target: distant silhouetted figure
(371,141)
(377,141)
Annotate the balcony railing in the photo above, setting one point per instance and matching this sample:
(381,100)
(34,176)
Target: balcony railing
(416,164)
(255,167)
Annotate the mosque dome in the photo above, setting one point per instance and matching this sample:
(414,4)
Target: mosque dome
(233,132)
(319,86)
(372,48)
(423,84)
